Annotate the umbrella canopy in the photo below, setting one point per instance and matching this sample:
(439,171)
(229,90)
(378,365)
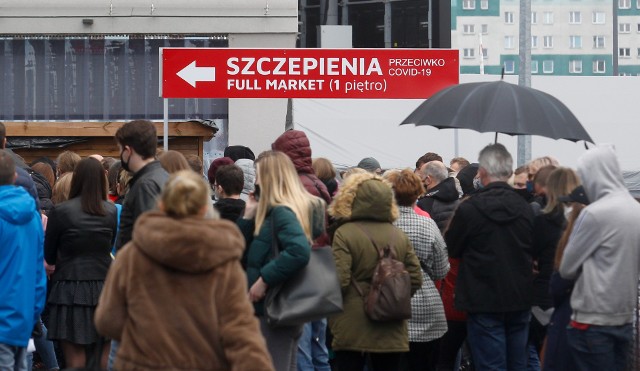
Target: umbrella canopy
(499,107)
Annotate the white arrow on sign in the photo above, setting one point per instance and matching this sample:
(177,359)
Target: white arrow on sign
(192,74)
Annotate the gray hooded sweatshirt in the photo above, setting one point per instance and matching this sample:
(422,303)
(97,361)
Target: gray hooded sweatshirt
(603,253)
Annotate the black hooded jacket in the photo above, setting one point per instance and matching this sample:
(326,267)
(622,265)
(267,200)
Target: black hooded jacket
(440,202)
(491,232)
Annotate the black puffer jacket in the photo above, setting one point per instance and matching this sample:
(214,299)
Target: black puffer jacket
(440,202)
(491,231)
(144,189)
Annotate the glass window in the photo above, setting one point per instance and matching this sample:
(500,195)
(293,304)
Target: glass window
(485,53)
(638,52)
(624,52)
(547,42)
(624,27)
(484,4)
(508,17)
(534,18)
(485,29)
(575,42)
(547,18)
(102,78)
(575,66)
(575,17)
(598,42)
(509,66)
(624,4)
(469,29)
(509,42)
(598,18)
(547,66)
(468,53)
(534,66)
(534,42)
(468,4)
(599,66)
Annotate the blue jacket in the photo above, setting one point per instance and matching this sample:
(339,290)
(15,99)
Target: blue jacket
(22,278)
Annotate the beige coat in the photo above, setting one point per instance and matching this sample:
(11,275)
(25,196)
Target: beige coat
(176,298)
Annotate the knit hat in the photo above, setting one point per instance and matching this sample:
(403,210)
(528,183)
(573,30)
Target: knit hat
(238,152)
(215,165)
(369,164)
(465,177)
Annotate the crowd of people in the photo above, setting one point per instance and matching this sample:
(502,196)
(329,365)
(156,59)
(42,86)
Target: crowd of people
(148,262)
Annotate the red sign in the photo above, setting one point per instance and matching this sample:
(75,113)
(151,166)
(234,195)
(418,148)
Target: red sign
(306,73)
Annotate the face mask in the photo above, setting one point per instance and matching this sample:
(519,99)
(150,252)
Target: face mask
(530,186)
(567,212)
(125,164)
(477,184)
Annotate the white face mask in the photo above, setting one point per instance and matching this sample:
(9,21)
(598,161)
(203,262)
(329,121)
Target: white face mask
(567,212)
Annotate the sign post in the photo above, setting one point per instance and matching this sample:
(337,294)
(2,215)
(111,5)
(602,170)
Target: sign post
(306,73)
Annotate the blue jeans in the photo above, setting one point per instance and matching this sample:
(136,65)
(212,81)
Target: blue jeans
(498,341)
(600,347)
(44,347)
(13,358)
(112,354)
(312,349)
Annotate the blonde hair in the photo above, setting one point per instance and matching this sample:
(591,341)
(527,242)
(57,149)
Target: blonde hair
(564,239)
(185,194)
(61,189)
(280,186)
(560,182)
(540,162)
(67,162)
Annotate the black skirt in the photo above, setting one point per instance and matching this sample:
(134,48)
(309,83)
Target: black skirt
(72,305)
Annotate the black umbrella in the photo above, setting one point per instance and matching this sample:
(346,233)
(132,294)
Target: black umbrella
(499,107)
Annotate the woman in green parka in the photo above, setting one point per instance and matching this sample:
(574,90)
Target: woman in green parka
(367,201)
(281,207)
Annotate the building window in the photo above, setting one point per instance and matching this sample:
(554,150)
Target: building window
(547,42)
(534,66)
(485,53)
(509,42)
(534,42)
(534,18)
(575,66)
(547,66)
(624,52)
(638,4)
(547,18)
(484,28)
(468,4)
(468,53)
(624,4)
(624,27)
(484,4)
(598,42)
(638,52)
(508,17)
(509,66)
(575,17)
(599,66)
(575,42)
(468,29)
(598,17)
(638,27)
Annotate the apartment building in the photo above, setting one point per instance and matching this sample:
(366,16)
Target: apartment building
(568,37)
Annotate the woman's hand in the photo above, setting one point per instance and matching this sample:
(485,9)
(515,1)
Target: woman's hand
(258,290)
(250,207)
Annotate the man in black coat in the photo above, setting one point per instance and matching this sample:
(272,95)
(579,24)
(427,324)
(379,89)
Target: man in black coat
(491,232)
